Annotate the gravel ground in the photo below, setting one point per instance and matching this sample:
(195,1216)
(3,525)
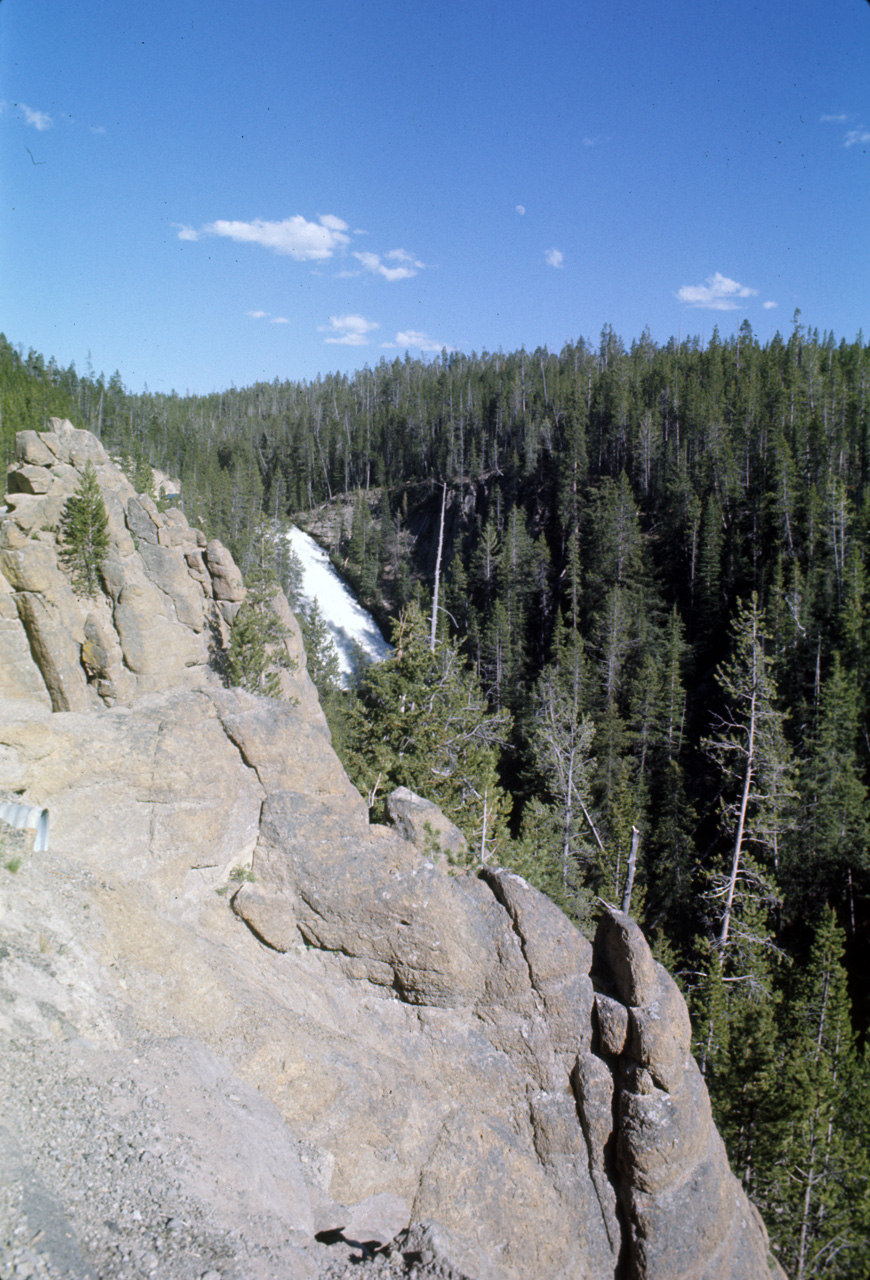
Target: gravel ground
(98,1180)
(101,1195)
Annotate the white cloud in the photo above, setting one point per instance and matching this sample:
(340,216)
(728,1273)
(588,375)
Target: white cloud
(718,293)
(279,320)
(593,142)
(768,306)
(406,264)
(348,331)
(520,208)
(832,119)
(855,137)
(97,128)
(257,315)
(413,338)
(186,233)
(555,258)
(294,237)
(38,119)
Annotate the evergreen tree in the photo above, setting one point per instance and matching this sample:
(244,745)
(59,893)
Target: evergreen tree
(832,851)
(561,850)
(420,720)
(83,533)
(750,748)
(320,652)
(257,652)
(816,1185)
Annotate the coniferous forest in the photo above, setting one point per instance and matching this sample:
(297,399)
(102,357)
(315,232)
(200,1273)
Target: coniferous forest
(648,676)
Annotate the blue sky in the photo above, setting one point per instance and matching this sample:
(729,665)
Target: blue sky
(199,194)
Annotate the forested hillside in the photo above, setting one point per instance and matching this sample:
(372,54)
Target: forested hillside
(649,675)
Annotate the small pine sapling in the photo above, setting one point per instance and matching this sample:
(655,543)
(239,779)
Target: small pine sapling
(83,533)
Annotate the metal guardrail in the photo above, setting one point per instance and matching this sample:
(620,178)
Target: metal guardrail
(29,818)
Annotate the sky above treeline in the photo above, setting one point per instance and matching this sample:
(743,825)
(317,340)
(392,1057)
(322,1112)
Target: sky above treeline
(199,194)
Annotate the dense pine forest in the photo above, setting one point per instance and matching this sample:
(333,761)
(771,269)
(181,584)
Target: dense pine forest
(630,603)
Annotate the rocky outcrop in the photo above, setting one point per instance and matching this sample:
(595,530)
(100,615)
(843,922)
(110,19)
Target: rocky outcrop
(423,823)
(330,1030)
(168,599)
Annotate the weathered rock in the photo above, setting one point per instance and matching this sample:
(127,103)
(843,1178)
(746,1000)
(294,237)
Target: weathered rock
(687,1215)
(425,826)
(103,658)
(20,677)
(73,446)
(612,1025)
(30,449)
(56,649)
(30,479)
(343,1035)
(376,1220)
(227,583)
(143,519)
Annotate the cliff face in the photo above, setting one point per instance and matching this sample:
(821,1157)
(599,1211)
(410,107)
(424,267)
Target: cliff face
(327,1031)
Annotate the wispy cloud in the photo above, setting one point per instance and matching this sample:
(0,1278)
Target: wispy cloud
(520,208)
(97,128)
(295,237)
(593,142)
(40,120)
(853,137)
(414,340)
(769,306)
(718,293)
(404,264)
(265,315)
(554,258)
(348,331)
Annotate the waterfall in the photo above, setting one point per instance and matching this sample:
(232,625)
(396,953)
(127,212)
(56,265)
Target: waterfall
(349,623)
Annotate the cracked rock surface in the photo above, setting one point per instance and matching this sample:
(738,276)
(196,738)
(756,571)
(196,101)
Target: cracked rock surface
(246,1034)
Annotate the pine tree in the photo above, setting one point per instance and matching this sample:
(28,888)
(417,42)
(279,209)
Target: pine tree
(320,651)
(420,720)
(833,846)
(83,533)
(561,848)
(816,1183)
(750,748)
(257,652)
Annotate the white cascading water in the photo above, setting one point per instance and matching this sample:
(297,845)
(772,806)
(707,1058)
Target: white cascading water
(349,623)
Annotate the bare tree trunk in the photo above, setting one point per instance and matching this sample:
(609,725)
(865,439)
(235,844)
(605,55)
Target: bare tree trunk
(741,823)
(438,570)
(632,865)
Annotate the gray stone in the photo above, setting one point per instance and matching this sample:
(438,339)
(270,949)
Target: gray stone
(140,521)
(29,448)
(612,1024)
(687,1215)
(30,479)
(20,677)
(355,1037)
(424,825)
(227,582)
(73,446)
